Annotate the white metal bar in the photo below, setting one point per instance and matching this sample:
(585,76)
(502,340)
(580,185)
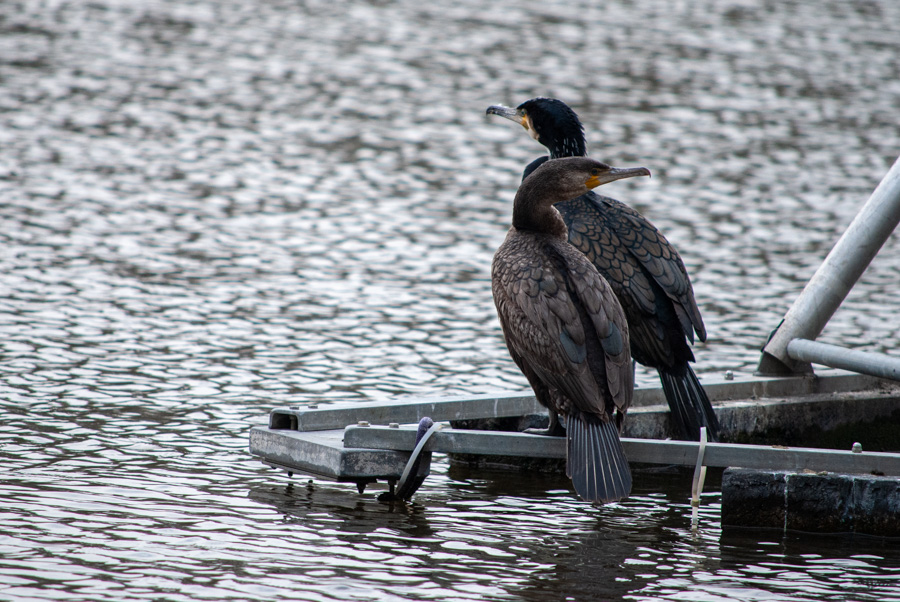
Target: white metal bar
(836,276)
(699,478)
(871,363)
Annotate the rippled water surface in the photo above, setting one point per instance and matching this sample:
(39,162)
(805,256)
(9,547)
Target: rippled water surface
(212,208)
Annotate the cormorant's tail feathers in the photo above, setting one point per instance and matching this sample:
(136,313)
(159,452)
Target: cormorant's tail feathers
(596,462)
(689,404)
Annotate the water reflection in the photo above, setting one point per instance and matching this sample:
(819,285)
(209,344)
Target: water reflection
(533,542)
(208,209)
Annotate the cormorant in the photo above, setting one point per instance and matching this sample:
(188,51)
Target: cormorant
(642,267)
(564,327)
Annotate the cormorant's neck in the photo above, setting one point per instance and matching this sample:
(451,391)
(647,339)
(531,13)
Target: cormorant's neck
(529,169)
(567,146)
(533,208)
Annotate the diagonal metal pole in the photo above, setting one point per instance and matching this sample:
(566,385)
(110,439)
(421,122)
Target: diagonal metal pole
(831,283)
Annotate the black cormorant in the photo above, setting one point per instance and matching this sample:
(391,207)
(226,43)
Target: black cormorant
(643,268)
(564,327)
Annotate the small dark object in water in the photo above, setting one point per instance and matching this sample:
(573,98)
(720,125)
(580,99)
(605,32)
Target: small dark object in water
(642,267)
(564,327)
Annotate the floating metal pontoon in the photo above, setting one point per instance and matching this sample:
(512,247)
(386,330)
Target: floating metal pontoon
(368,442)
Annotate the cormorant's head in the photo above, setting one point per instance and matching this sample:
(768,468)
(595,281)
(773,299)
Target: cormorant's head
(601,173)
(549,121)
(579,174)
(559,180)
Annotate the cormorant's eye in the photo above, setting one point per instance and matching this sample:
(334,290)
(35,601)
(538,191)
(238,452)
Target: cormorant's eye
(595,171)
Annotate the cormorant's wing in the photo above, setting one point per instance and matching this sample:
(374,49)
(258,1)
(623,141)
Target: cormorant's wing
(600,309)
(639,264)
(532,305)
(557,324)
(659,257)
(647,307)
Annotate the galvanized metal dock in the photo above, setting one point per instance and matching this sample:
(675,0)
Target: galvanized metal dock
(368,442)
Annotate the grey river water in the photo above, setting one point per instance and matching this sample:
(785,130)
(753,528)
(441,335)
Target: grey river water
(212,208)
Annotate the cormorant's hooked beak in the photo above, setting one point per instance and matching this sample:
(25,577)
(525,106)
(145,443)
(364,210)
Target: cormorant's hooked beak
(517,115)
(507,113)
(614,173)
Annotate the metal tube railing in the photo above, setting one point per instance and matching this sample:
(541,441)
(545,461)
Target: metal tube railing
(864,362)
(830,284)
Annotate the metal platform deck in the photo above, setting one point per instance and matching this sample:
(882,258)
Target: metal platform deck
(368,442)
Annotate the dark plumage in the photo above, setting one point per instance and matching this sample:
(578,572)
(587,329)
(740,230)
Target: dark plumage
(642,267)
(563,326)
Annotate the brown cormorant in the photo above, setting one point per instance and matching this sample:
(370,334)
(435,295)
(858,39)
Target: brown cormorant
(642,267)
(564,327)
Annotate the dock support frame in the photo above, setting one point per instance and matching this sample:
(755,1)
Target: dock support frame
(833,280)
